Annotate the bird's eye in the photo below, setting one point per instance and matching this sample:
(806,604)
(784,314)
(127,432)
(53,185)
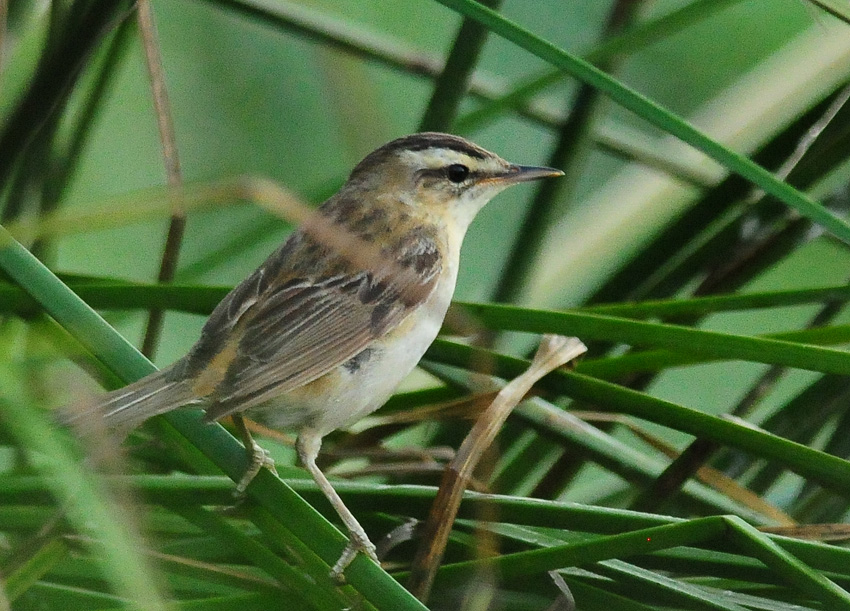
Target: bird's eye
(457,172)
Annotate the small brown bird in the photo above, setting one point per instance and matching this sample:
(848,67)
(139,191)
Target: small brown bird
(321,333)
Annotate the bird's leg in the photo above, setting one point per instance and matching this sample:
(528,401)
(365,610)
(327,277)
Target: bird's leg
(308,445)
(257,457)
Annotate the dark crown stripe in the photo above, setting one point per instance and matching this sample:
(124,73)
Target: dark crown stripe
(433,140)
(416,142)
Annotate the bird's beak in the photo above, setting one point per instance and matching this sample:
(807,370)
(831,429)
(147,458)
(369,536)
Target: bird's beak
(524,173)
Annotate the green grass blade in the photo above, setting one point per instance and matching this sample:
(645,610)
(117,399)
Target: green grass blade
(703,306)
(613,454)
(186,427)
(18,581)
(291,578)
(829,470)
(596,549)
(110,294)
(673,337)
(790,568)
(834,7)
(628,42)
(645,361)
(671,591)
(654,114)
(88,507)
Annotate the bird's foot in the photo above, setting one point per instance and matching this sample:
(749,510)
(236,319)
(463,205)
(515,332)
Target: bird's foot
(259,457)
(358,542)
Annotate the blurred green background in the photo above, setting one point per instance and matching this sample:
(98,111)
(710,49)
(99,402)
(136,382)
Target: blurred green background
(249,98)
(300,91)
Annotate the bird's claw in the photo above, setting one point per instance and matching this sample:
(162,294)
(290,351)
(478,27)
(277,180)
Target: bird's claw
(259,458)
(357,543)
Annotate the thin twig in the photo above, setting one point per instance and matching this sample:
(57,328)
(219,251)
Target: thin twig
(554,351)
(154,202)
(177,225)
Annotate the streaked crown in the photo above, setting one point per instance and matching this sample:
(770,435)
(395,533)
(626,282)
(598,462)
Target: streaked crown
(440,170)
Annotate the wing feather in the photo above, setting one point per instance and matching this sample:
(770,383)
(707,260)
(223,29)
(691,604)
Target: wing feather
(294,325)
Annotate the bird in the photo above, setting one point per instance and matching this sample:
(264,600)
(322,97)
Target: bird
(320,334)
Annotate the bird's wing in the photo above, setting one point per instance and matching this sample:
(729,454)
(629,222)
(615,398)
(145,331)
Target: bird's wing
(287,325)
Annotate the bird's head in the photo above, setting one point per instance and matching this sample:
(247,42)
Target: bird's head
(438,176)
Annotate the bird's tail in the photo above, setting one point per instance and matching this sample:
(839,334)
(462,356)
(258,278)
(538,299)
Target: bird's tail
(126,408)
